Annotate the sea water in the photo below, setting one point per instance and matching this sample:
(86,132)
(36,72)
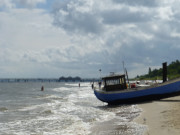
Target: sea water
(61,109)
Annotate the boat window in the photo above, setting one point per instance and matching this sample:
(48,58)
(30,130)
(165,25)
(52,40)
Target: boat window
(122,80)
(112,82)
(115,83)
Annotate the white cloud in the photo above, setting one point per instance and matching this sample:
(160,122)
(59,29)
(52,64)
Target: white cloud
(6,4)
(29,29)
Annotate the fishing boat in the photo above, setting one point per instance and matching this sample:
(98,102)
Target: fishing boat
(116,91)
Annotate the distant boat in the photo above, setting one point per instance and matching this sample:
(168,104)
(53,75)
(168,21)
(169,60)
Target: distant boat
(116,91)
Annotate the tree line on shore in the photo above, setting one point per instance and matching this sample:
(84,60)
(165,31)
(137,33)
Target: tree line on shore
(173,71)
(73,79)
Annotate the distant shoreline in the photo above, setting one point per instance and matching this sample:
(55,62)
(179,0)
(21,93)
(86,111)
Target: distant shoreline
(18,80)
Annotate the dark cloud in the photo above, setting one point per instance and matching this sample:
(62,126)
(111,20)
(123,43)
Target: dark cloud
(69,17)
(124,15)
(29,3)
(82,22)
(147,3)
(135,31)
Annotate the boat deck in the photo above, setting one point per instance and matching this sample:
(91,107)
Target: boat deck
(101,90)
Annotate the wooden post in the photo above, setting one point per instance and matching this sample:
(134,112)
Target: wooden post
(164,71)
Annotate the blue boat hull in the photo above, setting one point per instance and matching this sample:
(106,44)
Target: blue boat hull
(162,91)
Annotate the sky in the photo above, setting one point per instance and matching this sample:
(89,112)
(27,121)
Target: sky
(54,38)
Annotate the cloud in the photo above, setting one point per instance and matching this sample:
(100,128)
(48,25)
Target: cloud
(80,37)
(74,16)
(6,4)
(85,17)
(114,17)
(29,3)
(28,38)
(133,31)
(9,4)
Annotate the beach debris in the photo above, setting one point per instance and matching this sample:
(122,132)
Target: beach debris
(144,120)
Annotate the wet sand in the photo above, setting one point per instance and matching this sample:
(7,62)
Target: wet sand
(161,117)
(114,127)
(121,124)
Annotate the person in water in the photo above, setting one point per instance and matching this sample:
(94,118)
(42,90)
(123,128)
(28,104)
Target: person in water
(92,85)
(42,88)
(99,84)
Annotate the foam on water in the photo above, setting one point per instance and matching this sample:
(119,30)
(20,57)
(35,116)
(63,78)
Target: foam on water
(67,110)
(60,89)
(85,84)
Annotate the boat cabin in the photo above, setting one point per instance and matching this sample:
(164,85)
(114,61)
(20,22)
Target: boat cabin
(114,83)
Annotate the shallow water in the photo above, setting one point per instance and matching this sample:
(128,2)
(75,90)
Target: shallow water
(62,109)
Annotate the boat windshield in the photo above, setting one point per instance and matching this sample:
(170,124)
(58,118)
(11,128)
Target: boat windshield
(113,83)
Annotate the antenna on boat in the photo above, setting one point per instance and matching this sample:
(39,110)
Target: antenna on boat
(127,75)
(125,72)
(124,68)
(100,73)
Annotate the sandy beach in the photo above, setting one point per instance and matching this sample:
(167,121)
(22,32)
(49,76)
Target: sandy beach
(161,117)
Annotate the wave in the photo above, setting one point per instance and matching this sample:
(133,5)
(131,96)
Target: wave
(76,84)
(72,84)
(60,89)
(65,110)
